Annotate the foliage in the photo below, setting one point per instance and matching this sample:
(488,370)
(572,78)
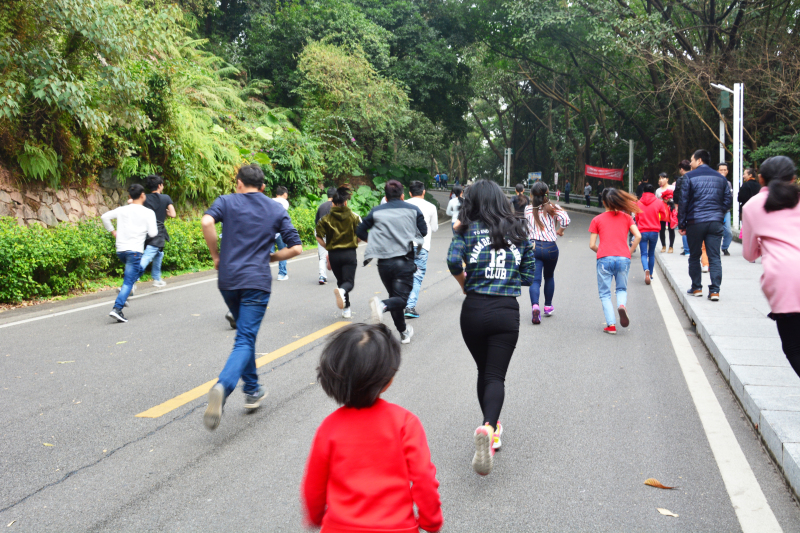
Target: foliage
(364,198)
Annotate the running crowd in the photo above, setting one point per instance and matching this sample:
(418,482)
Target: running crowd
(498,247)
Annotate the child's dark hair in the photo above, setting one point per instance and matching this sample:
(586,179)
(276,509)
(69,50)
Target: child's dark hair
(779,174)
(358,362)
(617,200)
(648,187)
(341,195)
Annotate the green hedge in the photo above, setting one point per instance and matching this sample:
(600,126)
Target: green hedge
(37,262)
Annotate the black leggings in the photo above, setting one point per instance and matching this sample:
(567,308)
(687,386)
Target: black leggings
(671,234)
(343,266)
(789,330)
(490,327)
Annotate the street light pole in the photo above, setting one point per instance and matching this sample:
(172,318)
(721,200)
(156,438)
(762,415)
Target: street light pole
(738,138)
(630,164)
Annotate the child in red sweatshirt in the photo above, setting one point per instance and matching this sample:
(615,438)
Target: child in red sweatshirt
(369,463)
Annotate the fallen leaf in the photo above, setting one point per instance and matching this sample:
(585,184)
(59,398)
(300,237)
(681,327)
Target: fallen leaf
(47,444)
(64,362)
(9,524)
(104,451)
(656,483)
(122,342)
(195,315)
(666,512)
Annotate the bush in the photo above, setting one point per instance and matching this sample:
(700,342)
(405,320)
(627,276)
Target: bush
(303,220)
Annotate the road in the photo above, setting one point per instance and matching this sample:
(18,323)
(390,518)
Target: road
(588,416)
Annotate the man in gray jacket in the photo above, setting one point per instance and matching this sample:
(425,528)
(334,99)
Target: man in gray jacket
(392,231)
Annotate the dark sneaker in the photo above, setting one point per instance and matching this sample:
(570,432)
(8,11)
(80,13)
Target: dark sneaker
(117,314)
(411,312)
(695,292)
(624,321)
(230,319)
(323,280)
(405,337)
(535,315)
(216,400)
(252,401)
(647,277)
(714,296)
(725,252)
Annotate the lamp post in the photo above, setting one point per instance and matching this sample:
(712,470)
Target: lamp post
(738,131)
(630,164)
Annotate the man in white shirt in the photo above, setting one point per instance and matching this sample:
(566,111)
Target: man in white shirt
(282,197)
(135,222)
(429,211)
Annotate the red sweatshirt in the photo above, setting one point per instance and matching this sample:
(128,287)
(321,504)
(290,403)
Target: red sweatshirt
(367,469)
(652,207)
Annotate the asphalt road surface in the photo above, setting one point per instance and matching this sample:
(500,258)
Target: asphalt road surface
(588,416)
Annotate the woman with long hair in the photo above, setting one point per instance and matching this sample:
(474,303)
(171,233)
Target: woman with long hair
(770,229)
(520,201)
(493,244)
(613,253)
(542,216)
(454,205)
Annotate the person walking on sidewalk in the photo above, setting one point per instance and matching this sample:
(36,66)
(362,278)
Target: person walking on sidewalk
(670,215)
(542,216)
(493,243)
(322,254)
(647,222)
(750,188)
(587,193)
(163,207)
(600,187)
(727,235)
(705,198)
(251,221)
(683,167)
(282,197)
(664,186)
(336,233)
(135,223)
(429,211)
(369,464)
(454,205)
(392,232)
(613,254)
(567,190)
(770,231)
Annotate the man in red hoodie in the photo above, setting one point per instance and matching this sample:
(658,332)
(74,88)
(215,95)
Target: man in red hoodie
(649,225)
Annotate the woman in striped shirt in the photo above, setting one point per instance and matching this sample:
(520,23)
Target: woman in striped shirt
(542,216)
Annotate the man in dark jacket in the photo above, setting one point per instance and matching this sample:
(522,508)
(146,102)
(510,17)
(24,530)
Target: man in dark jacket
(705,198)
(683,167)
(567,190)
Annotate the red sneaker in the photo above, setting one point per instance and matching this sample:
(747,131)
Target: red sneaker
(611,330)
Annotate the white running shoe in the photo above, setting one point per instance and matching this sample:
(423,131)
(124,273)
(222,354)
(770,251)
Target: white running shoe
(347,313)
(340,297)
(159,283)
(377,309)
(405,337)
(704,269)
(283,277)
(483,460)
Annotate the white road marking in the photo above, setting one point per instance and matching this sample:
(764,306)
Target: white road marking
(749,502)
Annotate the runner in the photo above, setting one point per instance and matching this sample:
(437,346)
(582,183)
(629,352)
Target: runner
(162,205)
(520,201)
(336,233)
(771,221)
(392,231)
(251,221)
(454,205)
(542,216)
(282,197)
(613,255)
(369,464)
(135,223)
(431,214)
(648,223)
(493,244)
(322,254)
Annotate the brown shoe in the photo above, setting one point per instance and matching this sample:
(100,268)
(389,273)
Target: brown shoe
(714,296)
(663,249)
(670,250)
(624,321)
(647,277)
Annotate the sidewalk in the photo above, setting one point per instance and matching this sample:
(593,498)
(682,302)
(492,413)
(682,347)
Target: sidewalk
(746,346)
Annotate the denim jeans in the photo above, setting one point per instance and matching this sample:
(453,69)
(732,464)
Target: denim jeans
(647,248)
(248,307)
(546,255)
(152,253)
(280,244)
(422,266)
(133,270)
(616,268)
(727,231)
(709,233)
(685,243)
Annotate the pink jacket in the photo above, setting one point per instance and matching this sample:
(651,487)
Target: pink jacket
(775,237)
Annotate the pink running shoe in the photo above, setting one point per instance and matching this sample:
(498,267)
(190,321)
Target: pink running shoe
(535,311)
(483,460)
(549,310)
(496,442)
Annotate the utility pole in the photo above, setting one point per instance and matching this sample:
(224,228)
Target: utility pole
(738,138)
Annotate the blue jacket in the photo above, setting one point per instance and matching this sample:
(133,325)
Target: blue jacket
(705,197)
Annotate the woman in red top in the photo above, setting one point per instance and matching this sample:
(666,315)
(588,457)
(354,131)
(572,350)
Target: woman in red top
(613,254)
(648,222)
(670,216)
(369,463)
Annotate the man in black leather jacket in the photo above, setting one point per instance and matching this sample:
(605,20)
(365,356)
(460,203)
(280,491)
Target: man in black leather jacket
(704,199)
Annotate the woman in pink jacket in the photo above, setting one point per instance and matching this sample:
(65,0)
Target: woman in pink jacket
(771,230)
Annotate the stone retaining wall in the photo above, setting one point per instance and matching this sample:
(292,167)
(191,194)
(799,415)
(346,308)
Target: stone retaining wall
(48,207)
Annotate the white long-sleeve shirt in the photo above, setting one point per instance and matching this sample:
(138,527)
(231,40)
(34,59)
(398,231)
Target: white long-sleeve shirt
(453,207)
(134,223)
(431,218)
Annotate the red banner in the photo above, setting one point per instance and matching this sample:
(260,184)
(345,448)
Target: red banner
(605,173)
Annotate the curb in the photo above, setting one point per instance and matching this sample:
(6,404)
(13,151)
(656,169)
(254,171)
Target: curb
(767,388)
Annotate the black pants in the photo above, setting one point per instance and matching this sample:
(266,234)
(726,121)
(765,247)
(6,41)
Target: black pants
(588,200)
(566,198)
(709,233)
(343,266)
(397,275)
(490,327)
(663,230)
(789,330)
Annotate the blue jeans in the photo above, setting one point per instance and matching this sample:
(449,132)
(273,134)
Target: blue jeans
(133,270)
(615,268)
(546,255)
(248,307)
(281,245)
(151,253)
(727,231)
(647,247)
(685,243)
(422,266)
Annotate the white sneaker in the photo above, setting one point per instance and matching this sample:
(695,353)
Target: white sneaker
(377,309)
(405,337)
(704,269)
(283,277)
(133,290)
(159,283)
(347,313)
(340,297)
